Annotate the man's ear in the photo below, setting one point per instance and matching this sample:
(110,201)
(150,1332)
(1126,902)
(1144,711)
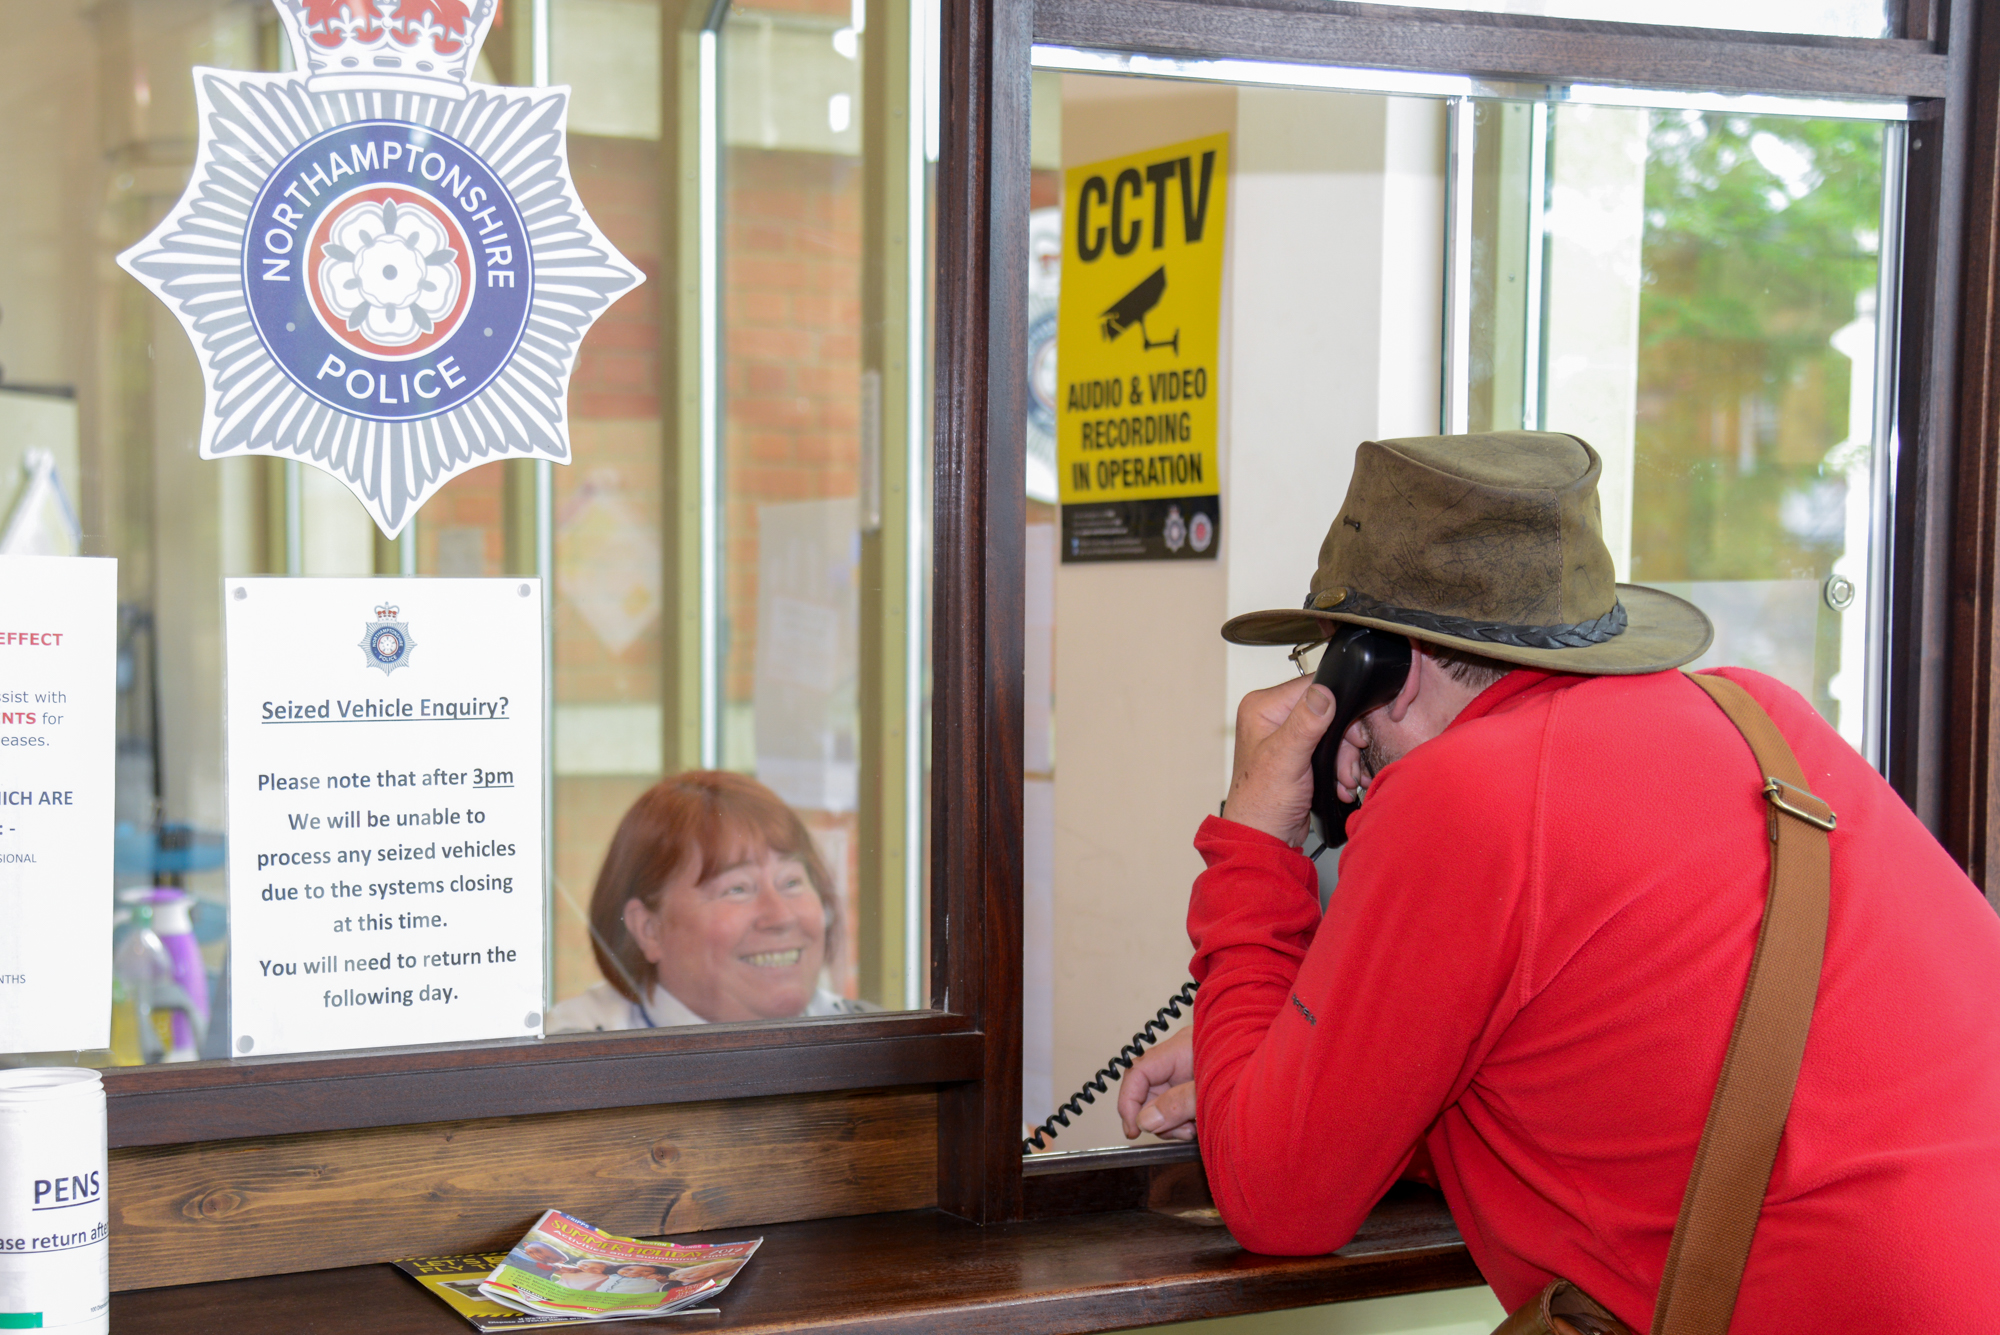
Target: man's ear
(1399,707)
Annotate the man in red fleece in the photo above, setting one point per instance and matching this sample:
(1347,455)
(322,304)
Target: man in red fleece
(1527,977)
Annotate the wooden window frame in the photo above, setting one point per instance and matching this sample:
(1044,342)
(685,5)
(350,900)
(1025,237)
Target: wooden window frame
(1943,726)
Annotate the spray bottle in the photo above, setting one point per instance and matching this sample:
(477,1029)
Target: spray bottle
(160,968)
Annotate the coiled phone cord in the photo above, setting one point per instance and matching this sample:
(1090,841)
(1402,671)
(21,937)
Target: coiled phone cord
(1156,1029)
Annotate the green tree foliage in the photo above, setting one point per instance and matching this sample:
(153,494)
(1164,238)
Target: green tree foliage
(1761,236)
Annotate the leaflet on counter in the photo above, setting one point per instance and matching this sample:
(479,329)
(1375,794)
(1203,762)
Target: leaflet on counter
(564,1267)
(455,1281)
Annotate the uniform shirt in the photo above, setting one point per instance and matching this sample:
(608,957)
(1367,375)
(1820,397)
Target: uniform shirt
(1531,967)
(605,1007)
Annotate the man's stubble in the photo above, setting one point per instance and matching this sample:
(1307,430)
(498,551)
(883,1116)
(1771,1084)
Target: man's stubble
(1373,757)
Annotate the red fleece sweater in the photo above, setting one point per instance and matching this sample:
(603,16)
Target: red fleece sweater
(1531,967)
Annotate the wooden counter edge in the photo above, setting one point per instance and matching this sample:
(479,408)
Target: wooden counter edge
(927,1273)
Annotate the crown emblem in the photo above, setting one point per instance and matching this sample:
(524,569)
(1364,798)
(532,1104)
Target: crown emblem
(378,275)
(385,613)
(413,46)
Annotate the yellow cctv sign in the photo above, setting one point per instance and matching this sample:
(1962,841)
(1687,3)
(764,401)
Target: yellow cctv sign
(1137,334)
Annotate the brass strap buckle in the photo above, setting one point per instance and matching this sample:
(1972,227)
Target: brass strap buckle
(1774,793)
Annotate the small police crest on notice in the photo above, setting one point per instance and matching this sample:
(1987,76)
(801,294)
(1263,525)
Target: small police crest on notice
(387,642)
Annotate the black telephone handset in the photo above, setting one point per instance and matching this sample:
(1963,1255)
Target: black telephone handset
(1364,669)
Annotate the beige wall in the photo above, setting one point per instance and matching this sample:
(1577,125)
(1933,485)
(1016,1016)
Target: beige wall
(1338,236)
(1331,301)
(1138,672)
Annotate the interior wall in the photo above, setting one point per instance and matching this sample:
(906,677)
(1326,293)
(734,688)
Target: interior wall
(1332,300)
(1338,239)
(1138,671)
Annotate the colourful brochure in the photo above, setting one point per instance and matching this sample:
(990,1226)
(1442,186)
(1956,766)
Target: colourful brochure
(456,1280)
(566,1268)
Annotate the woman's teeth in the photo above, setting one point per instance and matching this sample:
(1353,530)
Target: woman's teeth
(774,959)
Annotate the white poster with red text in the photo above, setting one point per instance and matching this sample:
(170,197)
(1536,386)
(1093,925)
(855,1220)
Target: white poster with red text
(58,715)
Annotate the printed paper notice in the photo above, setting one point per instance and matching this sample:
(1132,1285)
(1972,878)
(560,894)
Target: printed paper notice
(1139,337)
(385,811)
(58,713)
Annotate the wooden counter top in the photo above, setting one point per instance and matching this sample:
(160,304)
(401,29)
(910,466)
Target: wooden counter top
(916,1272)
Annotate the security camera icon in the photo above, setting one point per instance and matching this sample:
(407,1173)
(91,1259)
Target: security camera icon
(1131,309)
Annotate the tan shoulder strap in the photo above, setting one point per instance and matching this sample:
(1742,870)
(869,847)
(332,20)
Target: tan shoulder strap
(1732,1169)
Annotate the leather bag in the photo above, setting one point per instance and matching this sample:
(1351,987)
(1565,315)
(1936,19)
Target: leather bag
(1739,1143)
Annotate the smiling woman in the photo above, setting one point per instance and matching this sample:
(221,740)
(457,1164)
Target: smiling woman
(712,905)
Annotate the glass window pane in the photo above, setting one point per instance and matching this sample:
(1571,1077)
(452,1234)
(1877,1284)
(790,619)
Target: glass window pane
(1712,283)
(735,549)
(1831,18)
(99,111)
(1757,467)
(815,547)
(1330,326)
(1693,293)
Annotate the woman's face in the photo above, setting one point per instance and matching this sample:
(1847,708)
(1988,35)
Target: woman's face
(745,944)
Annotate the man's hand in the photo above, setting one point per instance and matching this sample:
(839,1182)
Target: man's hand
(1157,1094)
(1276,731)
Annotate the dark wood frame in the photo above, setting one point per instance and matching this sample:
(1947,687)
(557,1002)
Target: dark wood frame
(1954,628)
(1944,640)
(1944,712)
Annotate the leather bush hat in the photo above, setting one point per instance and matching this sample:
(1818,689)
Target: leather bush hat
(1490,544)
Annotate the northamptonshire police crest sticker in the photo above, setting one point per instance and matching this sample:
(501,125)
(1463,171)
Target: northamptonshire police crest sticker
(386,642)
(384,267)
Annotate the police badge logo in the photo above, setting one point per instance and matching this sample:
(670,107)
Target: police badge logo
(384,267)
(386,642)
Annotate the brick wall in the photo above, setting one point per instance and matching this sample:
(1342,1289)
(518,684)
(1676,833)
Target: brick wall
(791,344)
(791,354)
(791,413)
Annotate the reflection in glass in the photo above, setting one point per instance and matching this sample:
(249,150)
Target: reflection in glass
(99,116)
(1331,330)
(786,602)
(1694,293)
(812,116)
(1707,319)
(791,413)
(1833,18)
(1755,462)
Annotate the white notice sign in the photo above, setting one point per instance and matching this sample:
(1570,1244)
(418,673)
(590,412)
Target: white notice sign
(58,715)
(385,811)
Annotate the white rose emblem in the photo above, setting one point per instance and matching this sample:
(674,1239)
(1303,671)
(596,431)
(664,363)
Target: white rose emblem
(389,271)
